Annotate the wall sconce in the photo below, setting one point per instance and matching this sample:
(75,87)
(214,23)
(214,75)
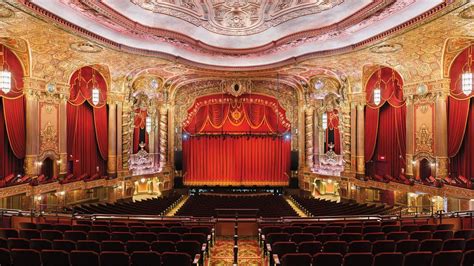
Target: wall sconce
(143,180)
(95,96)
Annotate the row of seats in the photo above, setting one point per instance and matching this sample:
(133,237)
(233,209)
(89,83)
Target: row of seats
(372,237)
(29,257)
(206,205)
(442,258)
(132,229)
(315,229)
(102,236)
(153,206)
(321,207)
(402,246)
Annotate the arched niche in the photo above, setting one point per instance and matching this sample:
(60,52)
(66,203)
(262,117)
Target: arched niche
(145,97)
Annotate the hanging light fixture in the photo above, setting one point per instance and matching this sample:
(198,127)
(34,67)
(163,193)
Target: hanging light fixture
(466,77)
(95,90)
(5,75)
(148,124)
(377,90)
(325,121)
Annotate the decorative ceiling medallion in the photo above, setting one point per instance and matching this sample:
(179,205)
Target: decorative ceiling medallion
(5,12)
(86,47)
(386,48)
(237,17)
(467,13)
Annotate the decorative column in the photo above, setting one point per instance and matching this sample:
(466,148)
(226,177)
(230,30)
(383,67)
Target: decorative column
(309,137)
(32,129)
(156,129)
(163,137)
(316,142)
(441,134)
(360,170)
(112,140)
(353,124)
(63,130)
(119,137)
(410,145)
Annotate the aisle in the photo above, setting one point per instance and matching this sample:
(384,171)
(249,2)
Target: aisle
(250,253)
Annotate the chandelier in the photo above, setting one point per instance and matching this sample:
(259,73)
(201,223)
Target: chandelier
(466,77)
(5,75)
(378,90)
(95,90)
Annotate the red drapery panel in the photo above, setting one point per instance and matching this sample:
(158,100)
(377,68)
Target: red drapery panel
(12,118)
(236,141)
(385,125)
(236,160)
(332,132)
(139,132)
(460,119)
(87,123)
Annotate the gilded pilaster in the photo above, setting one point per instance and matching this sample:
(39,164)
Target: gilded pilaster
(163,136)
(112,140)
(410,129)
(315,138)
(441,133)
(309,137)
(119,136)
(360,170)
(353,123)
(32,127)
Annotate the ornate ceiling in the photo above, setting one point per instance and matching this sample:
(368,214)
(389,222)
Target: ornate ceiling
(237,33)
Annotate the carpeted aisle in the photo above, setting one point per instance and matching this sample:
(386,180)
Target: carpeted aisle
(250,253)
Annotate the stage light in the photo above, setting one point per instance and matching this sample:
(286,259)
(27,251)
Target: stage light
(287,136)
(185,136)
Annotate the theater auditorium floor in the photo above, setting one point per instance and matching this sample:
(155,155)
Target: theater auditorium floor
(249,252)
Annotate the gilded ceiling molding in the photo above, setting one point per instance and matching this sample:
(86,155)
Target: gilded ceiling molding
(453,46)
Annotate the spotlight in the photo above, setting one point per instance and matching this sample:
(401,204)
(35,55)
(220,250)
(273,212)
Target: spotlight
(185,136)
(287,136)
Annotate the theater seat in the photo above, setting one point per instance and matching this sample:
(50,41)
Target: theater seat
(358,259)
(444,258)
(5,258)
(300,259)
(418,258)
(362,246)
(310,247)
(163,246)
(407,246)
(84,258)
(327,259)
(388,259)
(40,244)
(25,257)
(115,258)
(176,258)
(90,245)
(454,244)
(468,258)
(54,257)
(145,258)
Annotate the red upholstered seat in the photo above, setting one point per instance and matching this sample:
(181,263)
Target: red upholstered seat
(98,236)
(466,234)
(443,234)
(175,258)
(29,233)
(112,245)
(8,232)
(388,259)
(163,246)
(301,237)
(327,259)
(358,259)
(432,245)
(420,235)
(444,258)
(382,246)
(115,258)
(51,234)
(407,246)
(173,237)
(335,247)
(145,258)
(5,258)
(419,258)
(324,237)
(360,246)
(18,243)
(137,245)
(468,258)
(300,259)
(54,258)
(65,245)
(310,247)
(146,236)
(62,227)
(89,245)
(75,235)
(121,236)
(25,257)
(40,244)
(372,237)
(84,258)
(454,244)
(349,237)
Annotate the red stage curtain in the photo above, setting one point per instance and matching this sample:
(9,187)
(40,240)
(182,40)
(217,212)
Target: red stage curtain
(385,125)
(139,132)
(332,132)
(236,160)
(236,141)
(87,123)
(12,118)
(460,120)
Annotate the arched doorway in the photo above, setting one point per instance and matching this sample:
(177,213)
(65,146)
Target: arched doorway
(425,169)
(47,168)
